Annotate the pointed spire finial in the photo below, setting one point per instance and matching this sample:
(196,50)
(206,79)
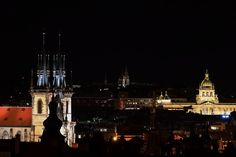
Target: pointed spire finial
(59,41)
(71,79)
(31,81)
(43,41)
(126,70)
(206,74)
(105,80)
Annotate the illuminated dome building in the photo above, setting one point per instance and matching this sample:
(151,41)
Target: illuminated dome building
(207,102)
(207,91)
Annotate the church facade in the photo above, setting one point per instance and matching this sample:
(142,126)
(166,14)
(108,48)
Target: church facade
(124,80)
(49,79)
(16,120)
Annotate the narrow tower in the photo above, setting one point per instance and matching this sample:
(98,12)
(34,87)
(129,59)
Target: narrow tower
(42,93)
(123,80)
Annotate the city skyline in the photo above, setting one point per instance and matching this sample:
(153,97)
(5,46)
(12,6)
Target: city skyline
(162,44)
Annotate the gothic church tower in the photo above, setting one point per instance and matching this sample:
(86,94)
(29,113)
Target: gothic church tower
(51,79)
(123,80)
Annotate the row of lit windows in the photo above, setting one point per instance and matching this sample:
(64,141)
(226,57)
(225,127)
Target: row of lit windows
(225,110)
(6,135)
(207,94)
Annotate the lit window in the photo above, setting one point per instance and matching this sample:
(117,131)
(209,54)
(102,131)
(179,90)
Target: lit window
(214,128)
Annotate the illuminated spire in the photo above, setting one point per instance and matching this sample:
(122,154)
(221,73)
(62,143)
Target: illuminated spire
(207,75)
(161,96)
(166,96)
(59,72)
(126,70)
(31,79)
(43,41)
(105,80)
(59,42)
(71,79)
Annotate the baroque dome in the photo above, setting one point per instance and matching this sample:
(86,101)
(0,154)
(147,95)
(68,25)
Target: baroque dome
(206,83)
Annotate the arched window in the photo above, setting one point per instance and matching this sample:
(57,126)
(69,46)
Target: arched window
(60,111)
(211,94)
(5,135)
(40,106)
(18,134)
(25,134)
(203,93)
(11,133)
(207,94)
(67,106)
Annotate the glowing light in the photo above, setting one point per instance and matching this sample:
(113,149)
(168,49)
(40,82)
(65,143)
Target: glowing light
(115,138)
(214,128)
(225,116)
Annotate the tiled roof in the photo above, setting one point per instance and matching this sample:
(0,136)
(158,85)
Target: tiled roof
(15,116)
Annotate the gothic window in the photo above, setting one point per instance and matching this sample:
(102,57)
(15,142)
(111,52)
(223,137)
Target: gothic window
(40,106)
(5,135)
(60,111)
(67,105)
(11,133)
(25,134)
(18,134)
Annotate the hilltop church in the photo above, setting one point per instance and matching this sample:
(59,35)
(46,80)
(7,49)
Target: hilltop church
(51,79)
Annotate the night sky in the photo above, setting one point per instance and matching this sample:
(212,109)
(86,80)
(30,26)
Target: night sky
(170,43)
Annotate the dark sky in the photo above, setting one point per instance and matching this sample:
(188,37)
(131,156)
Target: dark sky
(167,42)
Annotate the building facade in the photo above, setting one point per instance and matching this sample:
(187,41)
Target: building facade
(16,120)
(207,102)
(51,80)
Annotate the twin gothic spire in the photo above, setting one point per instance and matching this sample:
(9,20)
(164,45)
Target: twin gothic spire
(51,72)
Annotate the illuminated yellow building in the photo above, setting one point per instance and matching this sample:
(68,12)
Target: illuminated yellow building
(207,91)
(207,102)
(40,101)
